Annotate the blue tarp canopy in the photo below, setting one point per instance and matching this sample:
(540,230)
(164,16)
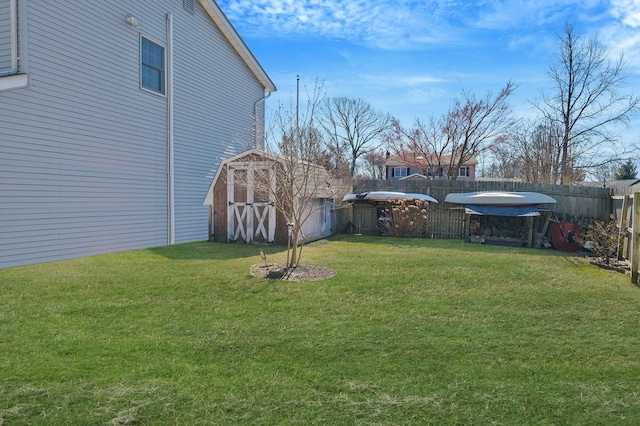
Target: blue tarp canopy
(502,210)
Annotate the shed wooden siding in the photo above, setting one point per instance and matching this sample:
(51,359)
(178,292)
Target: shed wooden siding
(220,208)
(83,151)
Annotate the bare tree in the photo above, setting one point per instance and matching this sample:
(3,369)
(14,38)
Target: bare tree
(533,149)
(374,165)
(288,172)
(503,163)
(353,128)
(586,103)
(442,146)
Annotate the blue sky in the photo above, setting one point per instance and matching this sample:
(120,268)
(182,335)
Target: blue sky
(410,58)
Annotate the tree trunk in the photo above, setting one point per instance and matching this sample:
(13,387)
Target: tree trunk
(293,260)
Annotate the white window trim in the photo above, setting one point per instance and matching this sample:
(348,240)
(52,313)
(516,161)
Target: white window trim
(164,67)
(14,82)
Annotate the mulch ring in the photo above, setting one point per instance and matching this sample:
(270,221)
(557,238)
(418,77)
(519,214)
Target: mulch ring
(277,271)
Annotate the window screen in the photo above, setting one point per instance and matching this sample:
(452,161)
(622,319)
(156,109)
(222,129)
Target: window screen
(152,66)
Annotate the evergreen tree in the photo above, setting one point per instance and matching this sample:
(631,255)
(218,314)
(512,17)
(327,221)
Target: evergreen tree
(627,170)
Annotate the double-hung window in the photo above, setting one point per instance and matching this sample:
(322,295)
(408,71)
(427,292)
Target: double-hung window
(12,76)
(8,37)
(400,172)
(152,66)
(463,171)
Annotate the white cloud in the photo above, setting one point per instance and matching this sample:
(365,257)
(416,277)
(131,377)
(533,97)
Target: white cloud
(388,24)
(407,25)
(396,80)
(627,11)
(623,35)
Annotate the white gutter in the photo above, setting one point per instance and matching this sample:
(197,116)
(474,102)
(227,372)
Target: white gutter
(171,238)
(13,34)
(259,144)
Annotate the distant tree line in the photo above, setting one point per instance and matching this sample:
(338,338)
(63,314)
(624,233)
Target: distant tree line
(571,136)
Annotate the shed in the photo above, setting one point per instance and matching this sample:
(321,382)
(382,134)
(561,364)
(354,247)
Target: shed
(242,201)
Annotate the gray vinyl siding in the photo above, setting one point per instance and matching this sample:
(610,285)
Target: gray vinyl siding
(213,115)
(5,36)
(83,150)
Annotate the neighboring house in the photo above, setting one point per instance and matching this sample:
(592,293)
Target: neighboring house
(112,114)
(399,169)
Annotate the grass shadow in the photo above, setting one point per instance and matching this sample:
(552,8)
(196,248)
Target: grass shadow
(442,244)
(215,251)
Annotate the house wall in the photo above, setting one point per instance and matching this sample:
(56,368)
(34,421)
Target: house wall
(83,150)
(215,95)
(413,170)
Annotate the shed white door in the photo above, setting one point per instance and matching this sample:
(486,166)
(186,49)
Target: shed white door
(251,212)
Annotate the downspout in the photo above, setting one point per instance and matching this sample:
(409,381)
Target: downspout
(13,34)
(259,144)
(170,158)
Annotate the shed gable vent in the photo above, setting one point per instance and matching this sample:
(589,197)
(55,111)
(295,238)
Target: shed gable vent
(188,4)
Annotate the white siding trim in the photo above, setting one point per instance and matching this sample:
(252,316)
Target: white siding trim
(14,82)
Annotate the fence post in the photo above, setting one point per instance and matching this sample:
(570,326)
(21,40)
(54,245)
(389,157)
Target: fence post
(635,238)
(624,229)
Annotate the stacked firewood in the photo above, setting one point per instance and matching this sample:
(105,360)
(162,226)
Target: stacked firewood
(500,227)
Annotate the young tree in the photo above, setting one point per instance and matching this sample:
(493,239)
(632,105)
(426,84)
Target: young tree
(290,172)
(444,145)
(352,128)
(585,103)
(627,170)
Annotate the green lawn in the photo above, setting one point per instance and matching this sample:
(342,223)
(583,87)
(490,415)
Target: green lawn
(408,332)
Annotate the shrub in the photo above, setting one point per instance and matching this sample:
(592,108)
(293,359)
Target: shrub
(404,218)
(602,238)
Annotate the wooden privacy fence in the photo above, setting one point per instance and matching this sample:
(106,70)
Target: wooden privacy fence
(629,241)
(448,222)
(582,201)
